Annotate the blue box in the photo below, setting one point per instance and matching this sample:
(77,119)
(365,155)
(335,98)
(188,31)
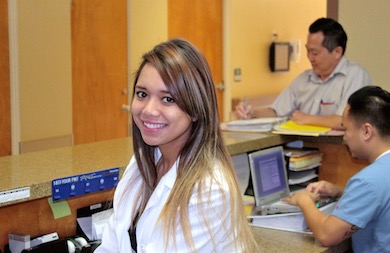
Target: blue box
(77,185)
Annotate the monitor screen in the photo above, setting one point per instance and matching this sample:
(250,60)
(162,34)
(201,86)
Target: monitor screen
(269,174)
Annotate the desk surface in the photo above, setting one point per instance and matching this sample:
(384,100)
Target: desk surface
(271,240)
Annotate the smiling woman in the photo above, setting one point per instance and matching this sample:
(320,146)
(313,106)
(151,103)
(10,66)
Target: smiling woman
(180,183)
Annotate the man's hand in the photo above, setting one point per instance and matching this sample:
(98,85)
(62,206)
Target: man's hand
(243,112)
(298,198)
(325,188)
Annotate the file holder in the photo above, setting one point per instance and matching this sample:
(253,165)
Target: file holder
(89,211)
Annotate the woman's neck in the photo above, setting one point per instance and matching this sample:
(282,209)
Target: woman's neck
(164,165)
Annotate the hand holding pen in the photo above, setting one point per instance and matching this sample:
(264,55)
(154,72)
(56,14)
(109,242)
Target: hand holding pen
(243,110)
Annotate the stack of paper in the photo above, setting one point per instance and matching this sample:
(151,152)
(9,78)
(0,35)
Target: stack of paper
(294,222)
(302,165)
(252,125)
(299,151)
(305,162)
(300,177)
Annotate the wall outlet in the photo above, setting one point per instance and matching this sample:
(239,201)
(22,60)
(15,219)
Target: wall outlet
(237,74)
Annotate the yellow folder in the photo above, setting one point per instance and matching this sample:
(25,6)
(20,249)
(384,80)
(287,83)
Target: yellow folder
(290,127)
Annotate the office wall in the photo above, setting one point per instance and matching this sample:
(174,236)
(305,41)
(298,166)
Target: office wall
(249,32)
(44,62)
(368,36)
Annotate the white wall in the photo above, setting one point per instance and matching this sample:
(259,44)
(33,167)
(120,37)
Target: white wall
(44,64)
(366,23)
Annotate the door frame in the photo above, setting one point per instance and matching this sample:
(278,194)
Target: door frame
(14,76)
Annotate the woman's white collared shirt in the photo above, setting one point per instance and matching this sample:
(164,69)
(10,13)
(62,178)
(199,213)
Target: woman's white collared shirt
(150,233)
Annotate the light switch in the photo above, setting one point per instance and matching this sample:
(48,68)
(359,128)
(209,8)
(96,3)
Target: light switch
(237,74)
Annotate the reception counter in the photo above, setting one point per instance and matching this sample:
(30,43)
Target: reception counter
(35,172)
(37,169)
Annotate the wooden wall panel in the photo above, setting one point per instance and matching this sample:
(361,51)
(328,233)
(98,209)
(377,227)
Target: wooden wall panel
(5,105)
(99,70)
(201,24)
(337,166)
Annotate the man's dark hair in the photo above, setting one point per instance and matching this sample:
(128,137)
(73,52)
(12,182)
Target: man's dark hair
(333,32)
(371,104)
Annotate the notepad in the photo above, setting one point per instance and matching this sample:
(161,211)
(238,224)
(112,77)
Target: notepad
(252,125)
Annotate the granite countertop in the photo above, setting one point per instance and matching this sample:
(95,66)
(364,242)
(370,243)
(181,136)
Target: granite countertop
(271,240)
(36,170)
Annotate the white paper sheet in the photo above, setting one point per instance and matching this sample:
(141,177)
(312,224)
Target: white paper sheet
(241,165)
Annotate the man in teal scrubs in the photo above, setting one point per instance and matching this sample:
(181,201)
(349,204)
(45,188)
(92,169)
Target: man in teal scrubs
(363,210)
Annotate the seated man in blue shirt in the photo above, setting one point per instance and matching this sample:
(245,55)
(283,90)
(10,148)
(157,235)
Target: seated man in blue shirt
(318,95)
(363,211)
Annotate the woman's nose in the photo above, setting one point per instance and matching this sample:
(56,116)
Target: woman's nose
(151,107)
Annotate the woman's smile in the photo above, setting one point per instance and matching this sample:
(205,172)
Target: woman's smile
(154,125)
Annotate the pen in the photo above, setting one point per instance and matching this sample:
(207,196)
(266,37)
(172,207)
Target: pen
(325,103)
(245,103)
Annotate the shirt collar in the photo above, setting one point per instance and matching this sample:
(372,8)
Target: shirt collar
(384,153)
(341,68)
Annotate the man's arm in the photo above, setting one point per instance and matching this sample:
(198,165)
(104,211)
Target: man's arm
(248,112)
(327,229)
(264,112)
(332,121)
